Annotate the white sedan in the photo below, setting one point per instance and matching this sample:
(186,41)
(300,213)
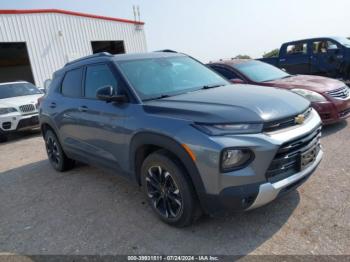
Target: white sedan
(18,107)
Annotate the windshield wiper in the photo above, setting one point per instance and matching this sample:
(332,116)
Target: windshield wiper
(157,97)
(211,86)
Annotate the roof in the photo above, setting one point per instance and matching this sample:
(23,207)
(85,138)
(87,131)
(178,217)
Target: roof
(104,56)
(313,39)
(12,83)
(59,11)
(233,61)
(136,56)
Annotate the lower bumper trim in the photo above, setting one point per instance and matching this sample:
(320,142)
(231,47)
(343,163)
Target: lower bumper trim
(268,191)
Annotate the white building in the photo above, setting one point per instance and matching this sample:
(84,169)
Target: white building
(35,43)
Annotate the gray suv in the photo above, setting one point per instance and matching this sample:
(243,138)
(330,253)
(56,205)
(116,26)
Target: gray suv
(191,140)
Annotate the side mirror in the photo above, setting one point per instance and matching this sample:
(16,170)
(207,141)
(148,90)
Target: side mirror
(106,93)
(43,90)
(237,81)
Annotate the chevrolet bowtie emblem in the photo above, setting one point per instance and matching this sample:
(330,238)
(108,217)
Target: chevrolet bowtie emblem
(299,119)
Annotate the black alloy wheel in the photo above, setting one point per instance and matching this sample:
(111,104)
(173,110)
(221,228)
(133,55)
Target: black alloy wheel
(52,151)
(163,192)
(55,153)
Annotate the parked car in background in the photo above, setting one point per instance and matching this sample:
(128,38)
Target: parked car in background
(325,56)
(192,140)
(18,107)
(330,97)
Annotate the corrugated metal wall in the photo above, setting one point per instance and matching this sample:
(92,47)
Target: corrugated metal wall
(49,50)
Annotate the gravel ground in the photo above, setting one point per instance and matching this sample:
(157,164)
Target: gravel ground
(89,211)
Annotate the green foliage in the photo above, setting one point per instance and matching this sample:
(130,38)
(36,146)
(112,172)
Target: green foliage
(272,53)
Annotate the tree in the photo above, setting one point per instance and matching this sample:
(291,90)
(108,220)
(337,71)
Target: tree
(242,57)
(272,53)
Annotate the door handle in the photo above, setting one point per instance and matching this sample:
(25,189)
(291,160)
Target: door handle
(53,105)
(82,108)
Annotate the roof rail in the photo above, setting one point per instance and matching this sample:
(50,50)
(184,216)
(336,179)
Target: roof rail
(166,51)
(88,57)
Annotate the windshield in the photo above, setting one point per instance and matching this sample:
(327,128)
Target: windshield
(18,89)
(342,40)
(166,76)
(260,72)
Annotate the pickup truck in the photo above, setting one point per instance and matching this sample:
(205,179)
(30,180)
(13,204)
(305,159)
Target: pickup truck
(326,56)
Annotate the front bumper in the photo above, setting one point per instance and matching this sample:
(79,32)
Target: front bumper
(18,122)
(268,191)
(261,181)
(333,111)
(251,196)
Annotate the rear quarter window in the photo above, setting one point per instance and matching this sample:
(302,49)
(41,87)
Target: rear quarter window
(71,84)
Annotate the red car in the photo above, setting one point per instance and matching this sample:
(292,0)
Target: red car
(330,97)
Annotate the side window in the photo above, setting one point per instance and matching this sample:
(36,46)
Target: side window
(297,49)
(71,85)
(228,74)
(332,45)
(324,46)
(98,76)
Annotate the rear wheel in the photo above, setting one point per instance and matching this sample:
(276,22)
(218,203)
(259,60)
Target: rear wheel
(168,189)
(57,157)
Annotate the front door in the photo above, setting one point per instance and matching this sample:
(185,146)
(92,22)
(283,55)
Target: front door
(102,124)
(326,58)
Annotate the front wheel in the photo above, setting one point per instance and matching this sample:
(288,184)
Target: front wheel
(169,190)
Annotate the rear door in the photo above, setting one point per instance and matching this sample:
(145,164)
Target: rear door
(65,110)
(102,131)
(296,58)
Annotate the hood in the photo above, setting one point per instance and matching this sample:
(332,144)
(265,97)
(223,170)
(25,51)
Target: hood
(318,84)
(231,104)
(19,100)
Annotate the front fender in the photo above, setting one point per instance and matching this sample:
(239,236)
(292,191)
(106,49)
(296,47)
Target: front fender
(173,146)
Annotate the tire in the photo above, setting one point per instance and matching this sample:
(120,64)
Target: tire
(169,190)
(3,137)
(56,156)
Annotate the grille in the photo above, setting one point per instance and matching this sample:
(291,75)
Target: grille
(27,108)
(342,93)
(285,122)
(288,158)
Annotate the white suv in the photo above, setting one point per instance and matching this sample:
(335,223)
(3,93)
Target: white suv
(18,107)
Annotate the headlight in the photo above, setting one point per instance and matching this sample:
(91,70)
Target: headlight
(235,158)
(227,129)
(7,110)
(310,95)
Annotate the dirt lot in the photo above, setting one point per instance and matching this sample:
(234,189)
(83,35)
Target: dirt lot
(88,211)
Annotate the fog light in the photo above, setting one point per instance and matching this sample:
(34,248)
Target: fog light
(232,159)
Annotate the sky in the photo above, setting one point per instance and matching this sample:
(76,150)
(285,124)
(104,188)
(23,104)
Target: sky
(210,30)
